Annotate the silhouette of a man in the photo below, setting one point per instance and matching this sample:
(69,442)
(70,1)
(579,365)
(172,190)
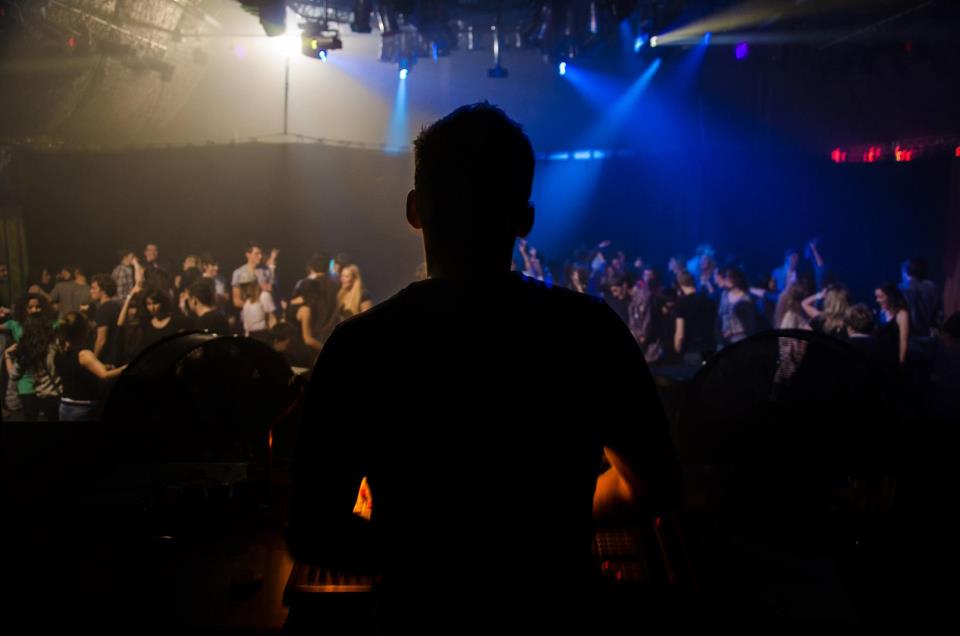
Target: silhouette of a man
(483,474)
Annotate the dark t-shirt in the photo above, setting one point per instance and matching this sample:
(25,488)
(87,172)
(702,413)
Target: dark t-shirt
(482,478)
(106,316)
(153,334)
(699,315)
(214,322)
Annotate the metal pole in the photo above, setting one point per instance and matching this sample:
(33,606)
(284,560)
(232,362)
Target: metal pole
(286,93)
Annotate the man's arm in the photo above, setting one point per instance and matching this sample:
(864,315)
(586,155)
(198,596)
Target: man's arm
(101,341)
(327,470)
(678,336)
(639,448)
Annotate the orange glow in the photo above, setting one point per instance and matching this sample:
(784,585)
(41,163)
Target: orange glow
(364,505)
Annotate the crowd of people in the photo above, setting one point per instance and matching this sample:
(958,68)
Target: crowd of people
(73,333)
(704,304)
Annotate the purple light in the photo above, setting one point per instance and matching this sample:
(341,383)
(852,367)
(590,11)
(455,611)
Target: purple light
(741,51)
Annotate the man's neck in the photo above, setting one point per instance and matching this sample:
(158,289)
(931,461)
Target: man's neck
(688,291)
(202,310)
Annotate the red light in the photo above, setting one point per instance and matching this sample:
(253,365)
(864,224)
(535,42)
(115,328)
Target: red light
(872,154)
(902,154)
(838,156)
(956,152)
(72,42)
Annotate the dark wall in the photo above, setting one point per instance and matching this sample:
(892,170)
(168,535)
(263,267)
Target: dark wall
(870,217)
(304,197)
(300,198)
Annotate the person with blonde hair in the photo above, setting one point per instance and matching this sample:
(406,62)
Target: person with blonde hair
(831,319)
(352,298)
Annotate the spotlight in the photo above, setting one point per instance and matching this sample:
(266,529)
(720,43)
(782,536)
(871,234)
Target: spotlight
(562,68)
(706,38)
(638,43)
(405,64)
(654,41)
(741,51)
(317,43)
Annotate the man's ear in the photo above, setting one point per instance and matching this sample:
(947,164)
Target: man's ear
(413,214)
(525,222)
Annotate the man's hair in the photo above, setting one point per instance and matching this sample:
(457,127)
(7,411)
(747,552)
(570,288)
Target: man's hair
(738,280)
(208,258)
(107,284)
(74,329)
(685,279)
(915,268)
(202,291)
(470,166)
(252,244)
(318,263)
(123,252)
(859,318)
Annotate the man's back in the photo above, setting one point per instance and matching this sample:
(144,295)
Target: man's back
(69,296)
(470,410)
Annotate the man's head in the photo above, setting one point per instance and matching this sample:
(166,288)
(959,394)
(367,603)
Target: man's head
(915,268)
(859,320)
(209,265)
(151,252)
(618,287)
(471,197)
(200,295)
(735,279)
(125,256)
(318,264)
(282,335)
(685,280)
(102,288)
(792,258)
(254,253)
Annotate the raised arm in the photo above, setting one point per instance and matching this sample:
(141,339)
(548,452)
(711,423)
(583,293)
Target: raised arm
(122,318)
(809,306)
(678,336)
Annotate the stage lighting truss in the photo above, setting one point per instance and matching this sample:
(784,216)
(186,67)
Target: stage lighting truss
(136,34)
(317,39)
